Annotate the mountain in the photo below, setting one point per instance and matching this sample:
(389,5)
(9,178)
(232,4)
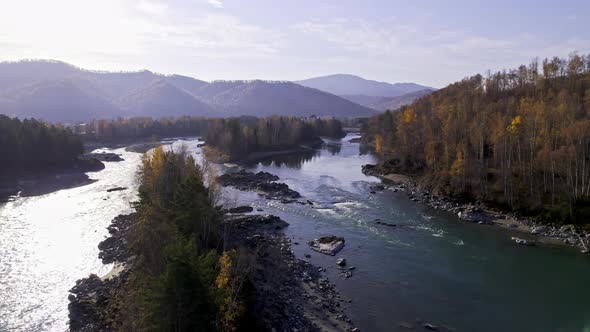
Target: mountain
(266,98)
(393,103)
(15,74)
(121,84)
(387,103)
(188,84)
(163,99)
(342,84)
(60,92)
(63,100)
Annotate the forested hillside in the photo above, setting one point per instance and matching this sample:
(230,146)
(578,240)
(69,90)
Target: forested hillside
(34,145)
(517,138)
(142,128)
(238,137)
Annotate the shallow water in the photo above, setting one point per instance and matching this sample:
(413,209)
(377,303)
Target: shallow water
(47,242)
(433,268)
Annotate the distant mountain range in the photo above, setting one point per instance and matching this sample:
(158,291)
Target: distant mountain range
(376,95)
(387,103)
(57,91)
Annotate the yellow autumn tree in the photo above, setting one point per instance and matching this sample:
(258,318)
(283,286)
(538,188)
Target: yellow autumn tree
(378,143)
(229,284)
(458,166)
(515,125)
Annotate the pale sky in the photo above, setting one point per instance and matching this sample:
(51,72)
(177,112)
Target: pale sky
(428,42)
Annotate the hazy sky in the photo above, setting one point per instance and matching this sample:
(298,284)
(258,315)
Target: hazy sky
(428,42)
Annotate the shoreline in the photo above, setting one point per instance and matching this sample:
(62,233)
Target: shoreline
(215,155)
(29,183)
(291,293)
(138,145)
(546,235)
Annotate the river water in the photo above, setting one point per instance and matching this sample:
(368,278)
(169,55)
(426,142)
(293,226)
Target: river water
(47,242)
(434,268)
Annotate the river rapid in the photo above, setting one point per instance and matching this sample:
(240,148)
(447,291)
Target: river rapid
(432,268)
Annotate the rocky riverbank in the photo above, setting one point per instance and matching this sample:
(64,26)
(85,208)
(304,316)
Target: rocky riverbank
(89,308)
(261,182)
(289,294)
(561,235)
(27,183)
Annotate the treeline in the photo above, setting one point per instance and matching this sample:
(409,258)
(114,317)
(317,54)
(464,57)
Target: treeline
(142,127)
(182,278)
(238,137)
(518,138)
(35,145)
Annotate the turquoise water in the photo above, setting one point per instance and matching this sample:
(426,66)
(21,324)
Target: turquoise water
(434,268)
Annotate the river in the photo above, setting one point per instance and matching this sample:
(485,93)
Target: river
(432,268)
(48,242)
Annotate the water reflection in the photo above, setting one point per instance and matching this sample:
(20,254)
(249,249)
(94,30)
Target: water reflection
(294,161)
(365,149)
(333,147)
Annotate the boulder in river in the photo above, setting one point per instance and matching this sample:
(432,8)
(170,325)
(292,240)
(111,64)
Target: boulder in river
(523,242)
(116,189)
(241,209)
(104,156)
(261,182)
(341,261)
(431,327)
(328,245)
(377,187)
(370,170)
(260,222)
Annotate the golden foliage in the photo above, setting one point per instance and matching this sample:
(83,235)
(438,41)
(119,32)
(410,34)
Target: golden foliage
(378,144)
(515,125)
(229,283)
(458,166)
(410,115)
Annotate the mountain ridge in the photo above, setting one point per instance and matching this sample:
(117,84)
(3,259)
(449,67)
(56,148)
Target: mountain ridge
(389,103)
(347,84)
(100,94)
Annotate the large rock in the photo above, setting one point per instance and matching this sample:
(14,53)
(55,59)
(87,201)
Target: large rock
(116,189)
(261,182)
(567,229)
(241,209)
(474,214)
(370,170)
(328,245)
(104,156)
(523,242)
(539,230)
(258,222)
